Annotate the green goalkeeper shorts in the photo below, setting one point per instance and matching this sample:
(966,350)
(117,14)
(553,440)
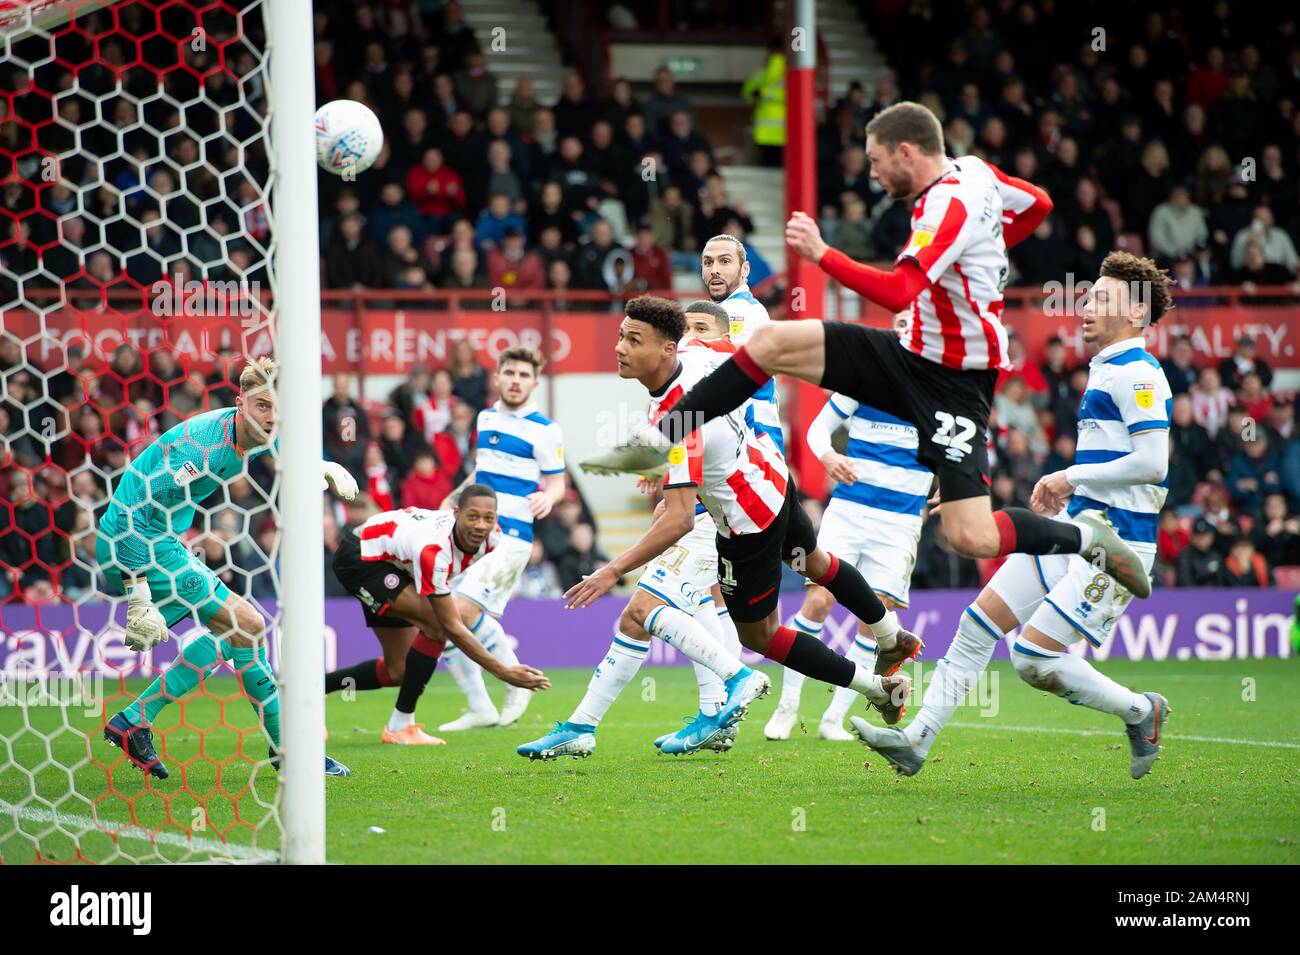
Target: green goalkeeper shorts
(181,584)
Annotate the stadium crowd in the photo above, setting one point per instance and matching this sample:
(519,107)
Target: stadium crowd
(1179,139)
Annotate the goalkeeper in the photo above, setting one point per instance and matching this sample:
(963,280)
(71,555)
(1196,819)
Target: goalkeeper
(139,549)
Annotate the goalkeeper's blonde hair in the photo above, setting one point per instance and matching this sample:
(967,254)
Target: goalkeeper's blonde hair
(257,374)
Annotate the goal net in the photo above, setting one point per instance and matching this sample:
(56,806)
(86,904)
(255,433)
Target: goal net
(136,276)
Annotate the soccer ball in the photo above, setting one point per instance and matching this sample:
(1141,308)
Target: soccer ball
(348,137)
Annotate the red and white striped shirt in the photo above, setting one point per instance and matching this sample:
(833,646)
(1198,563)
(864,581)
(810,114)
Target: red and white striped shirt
(741,475)
(430,417)
(421,542)
(961,229)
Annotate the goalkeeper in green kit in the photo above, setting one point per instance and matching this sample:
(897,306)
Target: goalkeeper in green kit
(139,549)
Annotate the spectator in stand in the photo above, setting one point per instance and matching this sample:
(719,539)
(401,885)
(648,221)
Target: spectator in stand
(493,223)
(401,256)
(399,444)
(1291,472)
(539,580)
(513,267)
(1257,402)
(550,212)
(344,425)
(502,176)
(1199,564)
(1055,371)
(593,258)
(1211,401)
(427,484)
(395,209)
(1016,411)
(523,106)
(1039,258)
(1245,567)
(714,209)
(680,141)
(1171,538)
(470,380)
(1256,270)
(652,267)
(351,259)
(464,272)
(672,218)
(852,235)
(1276,244)
(1025,370)
(664,101)
(1178,367)
(431,412)
(379,478)
(1062,456)
(1177,227)
(458,443)
(1193,442)
(476,87)
(1253,473)
(575,112)
(582,558)
(436,190)
(1277,533)
(1243,361)
(1281,421)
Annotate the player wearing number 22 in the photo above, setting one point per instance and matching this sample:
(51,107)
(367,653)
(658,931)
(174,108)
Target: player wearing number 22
(743,481)
(140,552)
(938,372)
(1061,600)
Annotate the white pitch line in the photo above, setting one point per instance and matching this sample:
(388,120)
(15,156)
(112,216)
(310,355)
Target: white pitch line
(223,850)
(1275,744)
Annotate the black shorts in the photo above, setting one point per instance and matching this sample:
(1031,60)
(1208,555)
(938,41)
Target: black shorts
(949,407)
(376,583)
(749,565)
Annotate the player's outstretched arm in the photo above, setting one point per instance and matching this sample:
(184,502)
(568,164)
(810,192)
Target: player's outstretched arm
(345,485)
(895,288)
(838,467)
(454,629)
(677,519)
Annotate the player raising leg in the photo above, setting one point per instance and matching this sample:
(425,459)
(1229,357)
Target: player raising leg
(1060,599)
(938,373)
(873,521)
(412,560)
(139,550)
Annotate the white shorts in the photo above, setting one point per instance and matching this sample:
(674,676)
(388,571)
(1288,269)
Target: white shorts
(491,580)
(683,574)
(1063,596)
(883,551)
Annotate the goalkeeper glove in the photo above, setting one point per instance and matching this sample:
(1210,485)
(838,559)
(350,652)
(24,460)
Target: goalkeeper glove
(345,485)
(145,626)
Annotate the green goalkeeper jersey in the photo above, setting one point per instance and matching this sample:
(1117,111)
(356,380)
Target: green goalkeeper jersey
(157,494)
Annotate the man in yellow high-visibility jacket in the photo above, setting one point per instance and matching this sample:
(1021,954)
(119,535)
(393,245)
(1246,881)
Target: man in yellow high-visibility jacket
(766,89)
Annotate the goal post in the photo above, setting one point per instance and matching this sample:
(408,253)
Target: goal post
(297,310)
(158,230)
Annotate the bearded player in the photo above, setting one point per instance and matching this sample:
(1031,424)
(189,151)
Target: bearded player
(139,549)
(1060,600)
(938,372)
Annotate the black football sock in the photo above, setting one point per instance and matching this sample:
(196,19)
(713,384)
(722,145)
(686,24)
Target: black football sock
(420,664)
(364,676)
(725,389)
(811,657)
(1021,531)
(852,592)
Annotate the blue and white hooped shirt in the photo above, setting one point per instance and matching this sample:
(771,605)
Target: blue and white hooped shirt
(1127,395)
(516,447)
(883,451)
(747,314)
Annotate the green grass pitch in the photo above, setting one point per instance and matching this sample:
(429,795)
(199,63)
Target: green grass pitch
(1040,781)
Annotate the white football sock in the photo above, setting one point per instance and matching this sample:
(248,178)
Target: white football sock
(730,638)
(950,681)
(615,671)
(680,631)
(1074,679)
(400,721)
(712,691)
(495,640)
(885,630)
(864,654)
(468,675)
(792,680)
